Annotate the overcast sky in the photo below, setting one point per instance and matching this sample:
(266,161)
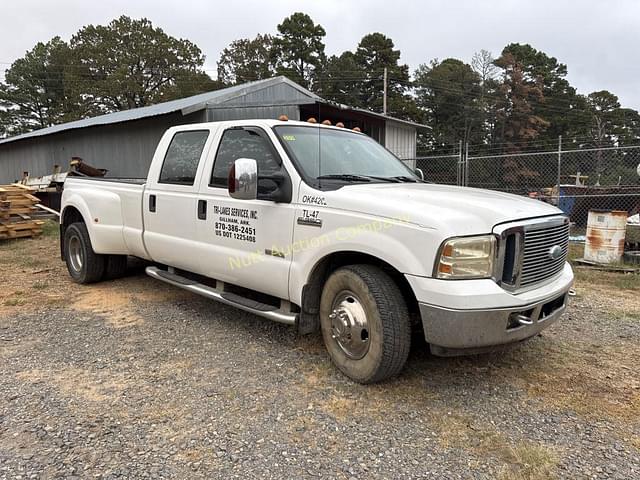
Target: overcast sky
(598,40)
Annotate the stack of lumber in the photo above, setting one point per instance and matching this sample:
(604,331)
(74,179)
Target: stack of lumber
(17,203)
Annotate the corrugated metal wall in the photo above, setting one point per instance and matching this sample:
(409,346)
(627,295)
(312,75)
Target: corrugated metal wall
(278,93)
(239,113)
(400,139)
(125,149)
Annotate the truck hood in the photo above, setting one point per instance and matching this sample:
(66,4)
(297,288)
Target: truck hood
(455,210)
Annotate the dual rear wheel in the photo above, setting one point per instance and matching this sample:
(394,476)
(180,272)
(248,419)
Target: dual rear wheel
(84,265)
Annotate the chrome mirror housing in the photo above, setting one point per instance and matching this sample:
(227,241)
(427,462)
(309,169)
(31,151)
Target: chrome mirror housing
(420,173)
(243,179)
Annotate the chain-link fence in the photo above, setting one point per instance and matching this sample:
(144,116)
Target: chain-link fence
(575,180)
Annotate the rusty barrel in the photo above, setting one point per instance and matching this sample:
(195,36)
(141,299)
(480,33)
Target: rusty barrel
(605,235)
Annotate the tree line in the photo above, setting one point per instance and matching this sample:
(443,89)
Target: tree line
(518,100)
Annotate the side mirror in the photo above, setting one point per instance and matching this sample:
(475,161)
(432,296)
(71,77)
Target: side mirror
(420,173)
(243,179)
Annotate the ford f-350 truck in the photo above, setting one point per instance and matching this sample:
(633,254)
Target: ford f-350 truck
(322,228)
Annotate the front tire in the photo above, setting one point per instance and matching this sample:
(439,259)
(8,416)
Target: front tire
(365,323)
(84,265)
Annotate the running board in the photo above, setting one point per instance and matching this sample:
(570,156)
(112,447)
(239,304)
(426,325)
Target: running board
(228,298)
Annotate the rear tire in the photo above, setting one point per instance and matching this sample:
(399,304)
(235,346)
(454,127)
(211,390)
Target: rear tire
(84,265)
(365,323)
(115,266)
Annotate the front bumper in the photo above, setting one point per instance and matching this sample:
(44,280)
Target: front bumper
(459,332)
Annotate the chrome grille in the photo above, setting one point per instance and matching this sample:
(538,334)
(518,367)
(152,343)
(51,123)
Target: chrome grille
(524,258)
(537,264)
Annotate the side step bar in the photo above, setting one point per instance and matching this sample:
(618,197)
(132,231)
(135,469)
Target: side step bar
(228,298)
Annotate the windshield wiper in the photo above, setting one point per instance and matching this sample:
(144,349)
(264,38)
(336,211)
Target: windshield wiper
(347,177)
(350,177)
(404,178)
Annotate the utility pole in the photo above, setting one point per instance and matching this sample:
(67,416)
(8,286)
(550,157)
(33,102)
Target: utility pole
(384,93)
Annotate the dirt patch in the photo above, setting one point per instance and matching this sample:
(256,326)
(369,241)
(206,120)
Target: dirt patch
(118,300)
(74,382)
(34,277)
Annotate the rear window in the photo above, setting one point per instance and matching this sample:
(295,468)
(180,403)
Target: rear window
(183,156)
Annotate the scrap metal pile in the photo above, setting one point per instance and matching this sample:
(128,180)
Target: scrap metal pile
(17,204)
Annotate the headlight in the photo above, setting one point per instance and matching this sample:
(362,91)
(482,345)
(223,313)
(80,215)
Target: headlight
(466,257)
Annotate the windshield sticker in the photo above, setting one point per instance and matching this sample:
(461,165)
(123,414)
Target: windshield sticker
(289,138)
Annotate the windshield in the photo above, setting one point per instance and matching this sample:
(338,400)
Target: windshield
(343,156)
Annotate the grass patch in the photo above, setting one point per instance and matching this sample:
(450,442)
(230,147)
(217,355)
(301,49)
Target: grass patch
(31,262)
(576,251)
(6,260)
(40,285)
(525,460)
(618,280)
(614,280)
(11,244)
(50,228)
(628,281)
(530,461)
(14,302)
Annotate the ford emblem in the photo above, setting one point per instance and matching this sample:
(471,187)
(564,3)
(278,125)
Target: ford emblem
(555,252)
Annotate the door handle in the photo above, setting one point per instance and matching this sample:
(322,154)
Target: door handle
(202,209)
(152,203)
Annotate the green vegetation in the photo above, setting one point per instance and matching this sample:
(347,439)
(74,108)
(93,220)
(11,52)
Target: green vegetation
(50,229)
(40,285)
(30,262)
(60,81)
(14,302)
(510,102)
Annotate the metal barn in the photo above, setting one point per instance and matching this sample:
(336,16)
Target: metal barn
(124,142)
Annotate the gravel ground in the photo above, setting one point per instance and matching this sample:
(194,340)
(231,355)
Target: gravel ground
(134,379)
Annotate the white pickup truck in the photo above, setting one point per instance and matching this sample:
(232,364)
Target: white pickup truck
(321,227)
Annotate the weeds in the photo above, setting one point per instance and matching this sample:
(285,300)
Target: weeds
(50,229)
(40,285)
(530,461)
(31,262)
(14,302)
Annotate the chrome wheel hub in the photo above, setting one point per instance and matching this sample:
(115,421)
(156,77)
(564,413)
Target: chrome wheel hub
(76,254)
(349,326)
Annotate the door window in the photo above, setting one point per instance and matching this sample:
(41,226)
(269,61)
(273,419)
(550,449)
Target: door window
(183,155)
(243,143)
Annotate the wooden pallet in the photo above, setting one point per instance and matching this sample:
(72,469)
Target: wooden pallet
(17,203)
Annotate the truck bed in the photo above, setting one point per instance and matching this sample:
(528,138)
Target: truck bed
(114,207)
(133,181)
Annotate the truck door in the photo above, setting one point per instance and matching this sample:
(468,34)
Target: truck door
(170,199)
(248,239)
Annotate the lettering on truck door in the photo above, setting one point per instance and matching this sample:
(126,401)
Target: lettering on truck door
(247,240)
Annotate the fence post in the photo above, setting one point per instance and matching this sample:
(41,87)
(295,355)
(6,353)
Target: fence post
(466,165)
(459,179)
(559,166)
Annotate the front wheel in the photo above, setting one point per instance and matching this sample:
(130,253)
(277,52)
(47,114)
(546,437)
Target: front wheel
(84,265)
(365,323)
